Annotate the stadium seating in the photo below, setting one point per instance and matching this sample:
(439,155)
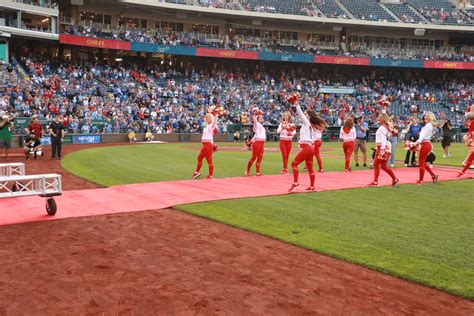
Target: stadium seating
(441,12)
(164,98)
(434,11)
(368,10)
(330,9)
(404,12)
(296,7)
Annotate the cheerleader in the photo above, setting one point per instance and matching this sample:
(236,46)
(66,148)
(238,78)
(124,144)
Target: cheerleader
(469,139)
(310,121)
(426,147)
(207,146)
(287,130)
(318,141)
(382,155)
(348,135)
(258,143)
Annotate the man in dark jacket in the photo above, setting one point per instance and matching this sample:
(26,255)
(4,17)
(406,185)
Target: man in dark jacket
(56,130)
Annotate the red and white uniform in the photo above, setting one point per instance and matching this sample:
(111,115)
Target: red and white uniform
(381,140)
(470,143)
(307,151)
(348,137)
(259,130)
(426,147)
(286,142)
(318,141)
(207,149)
(258,146)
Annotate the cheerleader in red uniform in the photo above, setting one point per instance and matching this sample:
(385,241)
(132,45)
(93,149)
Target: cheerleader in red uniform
(258,142)
(382,155)
(348,136)
(310,121)
(469,139)
(287,130)
(207,146)
(426,147)
(318,141)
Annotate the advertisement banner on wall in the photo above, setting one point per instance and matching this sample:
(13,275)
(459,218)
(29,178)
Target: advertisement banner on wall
(93,42)
(341,60)
(86,139)
(387,62)
(226,53)
(46,140)
(438,64)
(298,58)
(163,49)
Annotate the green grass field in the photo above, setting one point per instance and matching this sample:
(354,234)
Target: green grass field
(423,234)
(163,162)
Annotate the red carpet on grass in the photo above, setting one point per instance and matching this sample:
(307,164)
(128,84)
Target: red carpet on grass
(159,195)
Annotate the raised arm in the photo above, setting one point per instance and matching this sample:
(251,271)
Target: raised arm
(214,122)
(255,122)
(301,115)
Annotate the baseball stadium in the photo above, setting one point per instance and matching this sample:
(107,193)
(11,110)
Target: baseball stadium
(236,157)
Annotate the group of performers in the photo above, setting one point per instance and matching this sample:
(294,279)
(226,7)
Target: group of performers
(310,140)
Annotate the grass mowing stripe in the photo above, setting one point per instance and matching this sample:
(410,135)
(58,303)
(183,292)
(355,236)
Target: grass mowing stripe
(423,234)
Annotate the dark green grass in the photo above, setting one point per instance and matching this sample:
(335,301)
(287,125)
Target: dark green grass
(151,163)
(423,234)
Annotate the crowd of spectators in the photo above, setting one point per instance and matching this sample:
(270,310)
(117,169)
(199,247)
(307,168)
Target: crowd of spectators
(444,16)
(101,97)
(224,4)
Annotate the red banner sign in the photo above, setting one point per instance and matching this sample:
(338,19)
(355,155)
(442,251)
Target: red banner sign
(226,53)
(448,64)
(93,42)
(342,60)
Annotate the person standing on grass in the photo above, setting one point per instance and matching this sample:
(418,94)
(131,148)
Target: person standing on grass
(318,141)
(383,152)
(348,135)
(56,130)
(447,130)
(413,133)
(6,130)
(287,130)
(310,121)
(469,139)
(361,128)
(207,146)
(258,142)
(393,141)
(426,147)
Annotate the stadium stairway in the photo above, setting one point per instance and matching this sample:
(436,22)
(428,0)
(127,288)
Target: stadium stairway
(160,195)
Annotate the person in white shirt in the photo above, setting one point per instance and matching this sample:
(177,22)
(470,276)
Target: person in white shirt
(258,143)
(382,155)
(348,135)
(318,141)
(207,146)
(310,122)
(287,130)
(426,147)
